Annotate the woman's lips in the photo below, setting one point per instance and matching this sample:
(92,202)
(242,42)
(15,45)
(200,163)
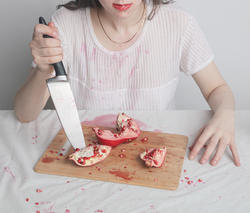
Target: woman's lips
(122,7)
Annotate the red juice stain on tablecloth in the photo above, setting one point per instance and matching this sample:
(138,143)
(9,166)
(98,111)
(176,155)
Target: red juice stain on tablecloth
(157,130)
(48,159)
(121,174)
(38,190)
(109,120)
(98,210)
(8,170)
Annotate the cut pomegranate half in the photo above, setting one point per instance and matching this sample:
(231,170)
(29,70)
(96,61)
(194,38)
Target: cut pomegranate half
(127,128)
(154,157)
(90,155)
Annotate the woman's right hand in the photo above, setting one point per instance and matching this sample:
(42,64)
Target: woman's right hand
(46,51)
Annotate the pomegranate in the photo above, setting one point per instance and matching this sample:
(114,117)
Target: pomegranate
(127,131)
(90,155)
(154,157)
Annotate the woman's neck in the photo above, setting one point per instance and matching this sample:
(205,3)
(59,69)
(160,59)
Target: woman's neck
(124,24)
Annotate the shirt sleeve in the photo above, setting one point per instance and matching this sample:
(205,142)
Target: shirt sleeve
(196,53)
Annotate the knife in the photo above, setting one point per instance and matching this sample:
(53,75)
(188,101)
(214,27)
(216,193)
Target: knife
(64,102)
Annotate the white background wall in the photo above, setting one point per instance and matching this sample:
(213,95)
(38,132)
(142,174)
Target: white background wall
(225,22)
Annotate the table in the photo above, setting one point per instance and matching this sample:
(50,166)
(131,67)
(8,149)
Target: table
(203,188)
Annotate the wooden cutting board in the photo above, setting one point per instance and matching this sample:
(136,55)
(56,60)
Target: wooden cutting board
(129,169)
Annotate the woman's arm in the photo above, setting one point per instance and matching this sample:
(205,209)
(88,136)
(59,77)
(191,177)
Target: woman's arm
(219,132)
(32,97)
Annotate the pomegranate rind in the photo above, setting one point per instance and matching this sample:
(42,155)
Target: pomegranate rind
(154,157)
(90,155)
(128,131)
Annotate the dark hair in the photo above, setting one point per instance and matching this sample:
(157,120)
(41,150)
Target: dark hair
(77,4)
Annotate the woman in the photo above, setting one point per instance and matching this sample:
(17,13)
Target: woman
(127,55)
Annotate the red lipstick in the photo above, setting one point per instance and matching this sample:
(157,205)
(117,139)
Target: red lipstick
(122,7)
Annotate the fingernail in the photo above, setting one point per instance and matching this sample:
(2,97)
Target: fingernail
(191,157)
(203,161)
(54,33)
(214,162)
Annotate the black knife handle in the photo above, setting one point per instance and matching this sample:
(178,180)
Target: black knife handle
(59,68)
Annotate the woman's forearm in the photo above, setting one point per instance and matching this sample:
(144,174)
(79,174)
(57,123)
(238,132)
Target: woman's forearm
(32,97)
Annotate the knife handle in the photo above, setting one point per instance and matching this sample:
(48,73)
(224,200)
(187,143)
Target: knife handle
(59,68)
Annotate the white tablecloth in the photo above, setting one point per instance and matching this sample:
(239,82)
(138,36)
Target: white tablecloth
(224,188)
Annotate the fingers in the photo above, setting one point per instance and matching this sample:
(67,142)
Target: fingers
(205,135)
(47,52)
(41,29)
(210,148)
(48,60)
(235,154)
(220,150)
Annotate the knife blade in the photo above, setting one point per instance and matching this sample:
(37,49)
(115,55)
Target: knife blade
(64,102)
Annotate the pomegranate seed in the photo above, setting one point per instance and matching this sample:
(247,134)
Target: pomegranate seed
(187,178)
(103,150)
(122,156)
(200,180)
(27,199)
(145,139)
(189,182)
(185,170)
(99,132)
(39,190)
(36,203)
(61,154)
(77,149)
